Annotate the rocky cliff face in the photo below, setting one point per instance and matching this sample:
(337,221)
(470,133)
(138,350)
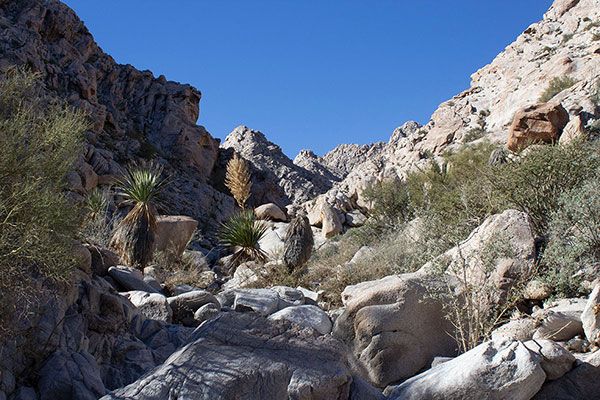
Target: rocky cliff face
(563,44)
(134,114)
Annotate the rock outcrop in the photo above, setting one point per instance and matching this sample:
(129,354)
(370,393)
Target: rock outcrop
(134,114)
(245,356)
(394,327)
(539,123)
(492,370)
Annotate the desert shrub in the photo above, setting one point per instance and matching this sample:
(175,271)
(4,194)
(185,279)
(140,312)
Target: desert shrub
(39,142)
(390,202)
(534,182)
(556,85)
(591,25)
(475,306)
(134,237)
(454,196)
(474,134)
(242,232)
(573,250)
(595,37)
(566,37)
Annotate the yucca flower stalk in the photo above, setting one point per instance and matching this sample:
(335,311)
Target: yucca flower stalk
(237,180)
(134,237)
(242,232)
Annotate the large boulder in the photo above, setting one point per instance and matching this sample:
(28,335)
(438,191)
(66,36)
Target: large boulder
(151,305)
(173,232)
(496,255)
(493,370)
(306,315)
(395,326)
(270,211)
(554,359)
(560,321)
(244,356)
(542,122)
(581,383)
(186,304)
(130,279)
(590,318)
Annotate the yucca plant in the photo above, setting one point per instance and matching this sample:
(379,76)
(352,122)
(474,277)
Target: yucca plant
(242,232)
(134,237)
(96,203)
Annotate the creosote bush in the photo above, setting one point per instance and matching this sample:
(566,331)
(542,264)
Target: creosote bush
(556,85)
(573,250)
(39,142)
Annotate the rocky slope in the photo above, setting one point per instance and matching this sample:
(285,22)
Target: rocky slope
(134,114)
(563,44)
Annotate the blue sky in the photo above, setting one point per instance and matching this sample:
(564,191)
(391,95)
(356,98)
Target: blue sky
(311,74)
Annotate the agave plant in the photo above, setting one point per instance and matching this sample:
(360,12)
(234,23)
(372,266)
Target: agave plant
(134,237)
(242,232)
(96,203)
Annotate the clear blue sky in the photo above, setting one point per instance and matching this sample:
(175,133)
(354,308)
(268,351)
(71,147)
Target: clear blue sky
(311,73)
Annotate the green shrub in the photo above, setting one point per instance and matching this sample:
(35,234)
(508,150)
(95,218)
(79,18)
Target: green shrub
(390,202)
(474,134)
(556,86)
(455,194)
(39,142)
(573,250)
(591,25)
(566,37)
(534,182)
(595,37)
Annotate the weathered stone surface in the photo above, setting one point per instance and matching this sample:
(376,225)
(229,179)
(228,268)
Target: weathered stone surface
(83,258)
(130,279)
(331,221)
(362,390)
(537,123)
(173,232)
(537,290)
(272,172)
(185,305)
(102,259)
(508,235)
(496,369)
(262,301)
(205,312)
(574,130)
(134,115)
(518,329)
(393,328)
(560,322)
(270,211)
(306,315)
(152,305)
(554,359)
(242,356)
(581,383)
(590,318)
(71,376)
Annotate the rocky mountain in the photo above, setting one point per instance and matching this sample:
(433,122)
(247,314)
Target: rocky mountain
(562,46)
(134,114)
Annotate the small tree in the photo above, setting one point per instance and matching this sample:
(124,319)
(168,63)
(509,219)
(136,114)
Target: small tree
(134,237)
(237,180)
